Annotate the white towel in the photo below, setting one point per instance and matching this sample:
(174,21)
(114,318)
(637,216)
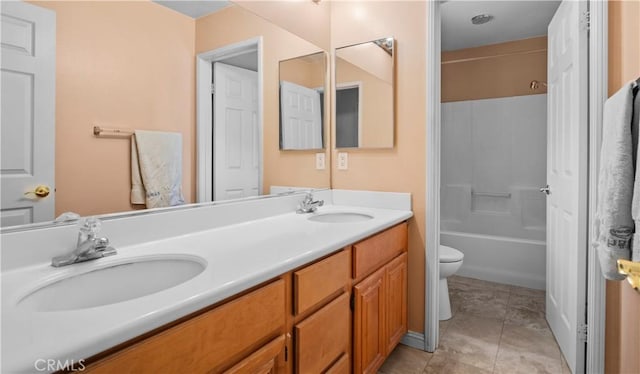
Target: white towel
(156,169)
(613,221)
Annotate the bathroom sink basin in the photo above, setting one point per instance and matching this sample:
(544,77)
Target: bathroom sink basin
(340,217)
(113,284)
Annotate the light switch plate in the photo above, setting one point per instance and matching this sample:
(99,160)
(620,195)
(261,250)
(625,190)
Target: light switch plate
(320,161)
(343,161)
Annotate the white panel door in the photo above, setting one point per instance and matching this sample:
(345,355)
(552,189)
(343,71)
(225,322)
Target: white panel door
(300,117)
(27,121)
(567,178)
(236,137)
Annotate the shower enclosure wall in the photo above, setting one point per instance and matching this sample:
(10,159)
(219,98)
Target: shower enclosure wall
(493,164)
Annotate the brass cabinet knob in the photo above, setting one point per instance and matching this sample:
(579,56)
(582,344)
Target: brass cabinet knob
(40,191)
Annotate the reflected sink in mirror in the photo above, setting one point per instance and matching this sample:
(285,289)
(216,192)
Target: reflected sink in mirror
(114,283)
(340,217)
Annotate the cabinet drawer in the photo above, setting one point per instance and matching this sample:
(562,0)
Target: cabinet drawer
(371,253)
(342,366)
(210,342)
(323,337)
(262,361)
(319,281)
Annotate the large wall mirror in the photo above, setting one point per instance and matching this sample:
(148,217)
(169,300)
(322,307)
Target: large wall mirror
(127,66)
(364,95)
(302,102)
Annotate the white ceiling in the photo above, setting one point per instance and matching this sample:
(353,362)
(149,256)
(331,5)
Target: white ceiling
(512,20)
(194,9)
(246,61)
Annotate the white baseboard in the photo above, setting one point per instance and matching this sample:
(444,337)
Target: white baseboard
(502,276)
(414,340)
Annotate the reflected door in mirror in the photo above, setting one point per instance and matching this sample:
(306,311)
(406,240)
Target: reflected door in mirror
(302,88)
(28,114)
(236,135)
(364,109)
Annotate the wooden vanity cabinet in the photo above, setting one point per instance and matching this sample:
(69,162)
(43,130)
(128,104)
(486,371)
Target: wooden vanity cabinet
(380,298)
(350,305)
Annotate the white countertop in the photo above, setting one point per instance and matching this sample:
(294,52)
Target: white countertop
(238,257)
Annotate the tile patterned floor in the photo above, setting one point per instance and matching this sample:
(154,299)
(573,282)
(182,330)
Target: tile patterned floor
(495,328)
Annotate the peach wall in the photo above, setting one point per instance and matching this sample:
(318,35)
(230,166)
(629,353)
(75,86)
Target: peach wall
(309,20)
(498,70)
(623,304)
(126,65)
(308,71)
(403,167)
(371,58)
(289,168)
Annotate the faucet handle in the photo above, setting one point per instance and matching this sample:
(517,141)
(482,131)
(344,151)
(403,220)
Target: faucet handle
(90,226)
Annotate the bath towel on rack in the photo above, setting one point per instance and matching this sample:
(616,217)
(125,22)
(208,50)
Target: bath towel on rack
(613,222)
(156,169)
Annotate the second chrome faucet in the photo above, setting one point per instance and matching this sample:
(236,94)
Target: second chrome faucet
(308,205)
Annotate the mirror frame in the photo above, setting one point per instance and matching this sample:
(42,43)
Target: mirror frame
(334,86)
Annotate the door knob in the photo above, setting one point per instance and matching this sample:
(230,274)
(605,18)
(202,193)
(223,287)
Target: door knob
(545,189)
(39,191)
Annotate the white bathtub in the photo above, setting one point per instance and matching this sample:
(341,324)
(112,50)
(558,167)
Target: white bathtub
(519,262)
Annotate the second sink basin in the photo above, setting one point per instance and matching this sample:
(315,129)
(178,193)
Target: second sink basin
(113,284)
(340,217)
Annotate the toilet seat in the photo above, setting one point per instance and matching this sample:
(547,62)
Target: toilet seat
(448,254)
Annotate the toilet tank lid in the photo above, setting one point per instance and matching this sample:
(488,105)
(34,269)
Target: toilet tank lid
(448,254)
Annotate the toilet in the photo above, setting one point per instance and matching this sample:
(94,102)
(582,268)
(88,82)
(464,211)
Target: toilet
(450,262)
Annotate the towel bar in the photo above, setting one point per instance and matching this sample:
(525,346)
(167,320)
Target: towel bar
(632,271)
(98,131)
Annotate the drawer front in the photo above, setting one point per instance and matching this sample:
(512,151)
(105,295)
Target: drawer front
(317,282)
(210,342)
(323,337)
(262,361)
(371,253)
(342,366)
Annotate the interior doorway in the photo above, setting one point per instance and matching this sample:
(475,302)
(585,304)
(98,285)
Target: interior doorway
(229,122)
(586,149)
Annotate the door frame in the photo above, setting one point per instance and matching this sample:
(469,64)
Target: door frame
(204,111)
(598,70)
(346,86)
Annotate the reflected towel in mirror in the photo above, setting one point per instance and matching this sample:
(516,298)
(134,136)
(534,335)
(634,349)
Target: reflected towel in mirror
(156,169)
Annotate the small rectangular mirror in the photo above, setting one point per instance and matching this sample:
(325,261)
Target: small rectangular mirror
(302,102)
(364,93)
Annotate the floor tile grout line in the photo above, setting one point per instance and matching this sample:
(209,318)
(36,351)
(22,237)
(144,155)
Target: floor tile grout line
(504,320)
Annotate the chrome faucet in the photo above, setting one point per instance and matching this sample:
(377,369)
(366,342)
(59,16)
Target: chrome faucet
(88,247)
(308,205)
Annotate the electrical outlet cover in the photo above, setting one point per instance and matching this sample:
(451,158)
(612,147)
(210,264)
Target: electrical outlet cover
(343,161)
(320,161)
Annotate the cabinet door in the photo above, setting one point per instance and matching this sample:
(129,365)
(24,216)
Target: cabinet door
(323,337)
(396,295)
(262,361)
(369,330)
